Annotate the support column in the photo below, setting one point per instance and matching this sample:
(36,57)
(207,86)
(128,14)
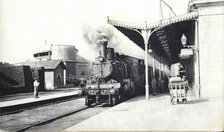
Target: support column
(64,75)
(160,67)
(197,63)
(146,34)
(153,65)
(146,72)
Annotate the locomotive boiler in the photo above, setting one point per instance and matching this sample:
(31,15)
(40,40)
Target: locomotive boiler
(114,77)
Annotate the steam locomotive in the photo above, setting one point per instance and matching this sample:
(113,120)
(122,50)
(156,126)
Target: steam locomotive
(115,77)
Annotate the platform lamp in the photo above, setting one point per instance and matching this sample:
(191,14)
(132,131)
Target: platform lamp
(150,48)
(184,40)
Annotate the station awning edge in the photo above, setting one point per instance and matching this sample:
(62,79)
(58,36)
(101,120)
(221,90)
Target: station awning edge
(157,24)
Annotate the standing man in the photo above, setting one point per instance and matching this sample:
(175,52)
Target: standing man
(162,85)
(166,81)
(154,85)
(36,88)
(59,80)
(159,84)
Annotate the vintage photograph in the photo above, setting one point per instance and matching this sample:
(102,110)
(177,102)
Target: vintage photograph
(111,65)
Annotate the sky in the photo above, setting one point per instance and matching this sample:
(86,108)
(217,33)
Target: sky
(28,26)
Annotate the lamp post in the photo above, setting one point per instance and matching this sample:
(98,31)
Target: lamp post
(184,40)
(145,34)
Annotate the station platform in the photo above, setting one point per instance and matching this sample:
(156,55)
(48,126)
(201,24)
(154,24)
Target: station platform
(9,102)
(158,114)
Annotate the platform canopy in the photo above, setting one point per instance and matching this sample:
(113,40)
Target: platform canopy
(165,35)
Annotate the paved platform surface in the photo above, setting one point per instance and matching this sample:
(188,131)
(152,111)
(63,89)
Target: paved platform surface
(158,114)
(25,98)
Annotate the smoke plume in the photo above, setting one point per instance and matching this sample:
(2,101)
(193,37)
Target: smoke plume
(116,40)
(92,34)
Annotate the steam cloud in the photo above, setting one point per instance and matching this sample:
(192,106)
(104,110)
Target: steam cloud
(116,40)
(92,35)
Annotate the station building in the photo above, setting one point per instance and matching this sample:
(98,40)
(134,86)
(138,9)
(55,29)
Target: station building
(62,65)
(194,40)
(53,72)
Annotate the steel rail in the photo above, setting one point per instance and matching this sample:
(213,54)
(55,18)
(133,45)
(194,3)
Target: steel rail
(48,120)
(39,105)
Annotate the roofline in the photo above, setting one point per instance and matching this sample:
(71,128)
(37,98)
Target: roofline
(45,68)
(64,45)
(43,51)
(193,4)
(157,24)
(61,63)
(50,50)
(76,61)
(126,24)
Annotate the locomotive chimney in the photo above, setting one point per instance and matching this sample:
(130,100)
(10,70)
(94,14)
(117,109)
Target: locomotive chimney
(110,53)
(103,41)
(116,55)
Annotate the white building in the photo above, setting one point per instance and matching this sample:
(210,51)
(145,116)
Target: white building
(76,66)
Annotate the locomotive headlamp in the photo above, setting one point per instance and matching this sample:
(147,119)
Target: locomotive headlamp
(113,91)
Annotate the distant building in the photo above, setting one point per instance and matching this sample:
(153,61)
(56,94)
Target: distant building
(53,72)
(76,66)
(43,55)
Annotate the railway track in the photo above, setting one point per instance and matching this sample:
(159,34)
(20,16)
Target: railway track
(17,109)
(50,119)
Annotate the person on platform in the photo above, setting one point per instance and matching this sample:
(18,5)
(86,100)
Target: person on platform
(59,80)
(159,84)
(182,71)
(162,85)
(154,85)
(166,81)
(184,79)
(36,88)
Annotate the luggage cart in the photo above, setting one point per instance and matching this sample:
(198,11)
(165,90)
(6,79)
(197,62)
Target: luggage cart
(178,92)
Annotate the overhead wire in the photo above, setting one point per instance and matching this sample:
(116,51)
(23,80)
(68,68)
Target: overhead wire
(169,7)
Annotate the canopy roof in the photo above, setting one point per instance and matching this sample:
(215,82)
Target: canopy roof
(165,38)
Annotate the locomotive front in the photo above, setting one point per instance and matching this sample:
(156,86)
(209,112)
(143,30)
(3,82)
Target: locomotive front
(104,86)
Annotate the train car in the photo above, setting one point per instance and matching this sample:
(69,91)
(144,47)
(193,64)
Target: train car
(135,71)
(114,77)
